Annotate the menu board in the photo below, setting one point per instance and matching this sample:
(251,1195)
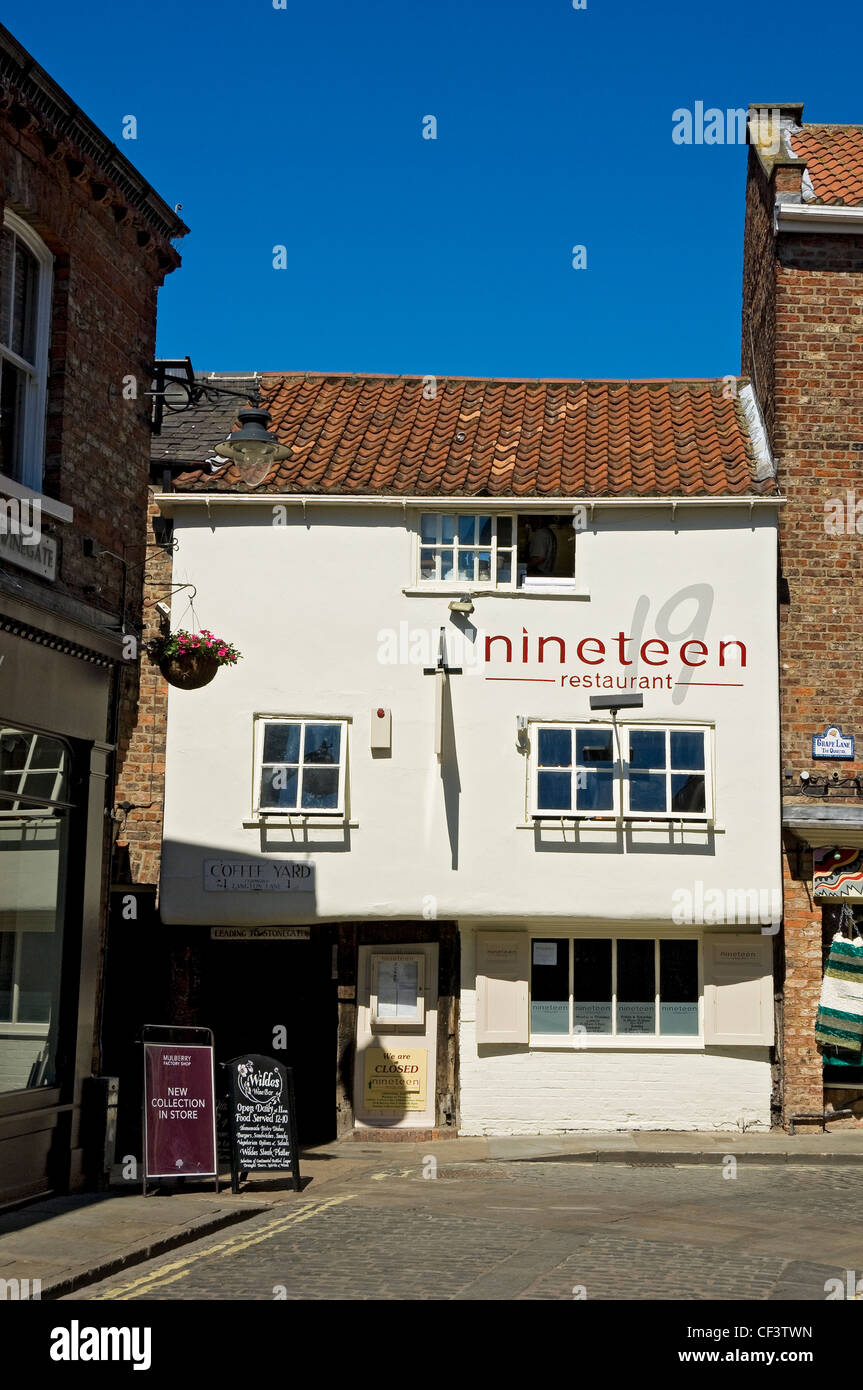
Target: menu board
(262,1117)
(398,988)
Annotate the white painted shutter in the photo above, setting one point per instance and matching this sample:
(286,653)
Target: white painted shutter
(738,990)
(502,960)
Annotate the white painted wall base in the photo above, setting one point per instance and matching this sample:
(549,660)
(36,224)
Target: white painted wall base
(540,1091)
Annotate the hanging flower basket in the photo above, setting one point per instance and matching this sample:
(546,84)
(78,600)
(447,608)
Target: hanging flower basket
(190,660)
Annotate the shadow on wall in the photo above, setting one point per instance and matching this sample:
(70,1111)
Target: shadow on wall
(568,837)
(449,773)
(391,1086)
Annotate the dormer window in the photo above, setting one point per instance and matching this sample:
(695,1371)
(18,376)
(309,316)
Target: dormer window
(25,322)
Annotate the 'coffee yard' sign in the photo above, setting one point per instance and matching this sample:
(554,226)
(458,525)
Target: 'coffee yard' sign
(258,876)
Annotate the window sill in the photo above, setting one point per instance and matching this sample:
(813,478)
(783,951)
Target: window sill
(542,1042)
(337,821)
(48,506)
(616,822)
(443,589)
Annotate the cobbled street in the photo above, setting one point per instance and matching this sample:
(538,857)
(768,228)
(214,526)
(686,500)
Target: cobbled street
(530,1231)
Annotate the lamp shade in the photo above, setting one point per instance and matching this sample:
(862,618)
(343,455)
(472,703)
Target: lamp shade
(251,448)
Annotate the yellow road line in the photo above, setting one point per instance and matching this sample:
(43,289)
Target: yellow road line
(178,1269)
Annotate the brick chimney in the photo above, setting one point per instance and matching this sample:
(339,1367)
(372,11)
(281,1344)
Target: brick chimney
(773,173)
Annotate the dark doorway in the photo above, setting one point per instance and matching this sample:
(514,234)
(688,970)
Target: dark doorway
(252,989)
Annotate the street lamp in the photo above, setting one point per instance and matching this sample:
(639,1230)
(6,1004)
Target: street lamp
(251,448)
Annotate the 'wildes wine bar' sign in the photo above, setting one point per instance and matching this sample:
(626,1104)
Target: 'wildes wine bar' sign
(263,1118)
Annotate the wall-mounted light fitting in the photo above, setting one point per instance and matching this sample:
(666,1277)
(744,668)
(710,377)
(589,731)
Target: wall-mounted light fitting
(462,605)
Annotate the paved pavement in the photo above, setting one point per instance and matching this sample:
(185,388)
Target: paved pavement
(65,1242)
(521,1230)
(574,1193)
(626,1146)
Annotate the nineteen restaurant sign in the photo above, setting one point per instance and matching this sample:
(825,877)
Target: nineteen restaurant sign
(593,656)
(179,1111)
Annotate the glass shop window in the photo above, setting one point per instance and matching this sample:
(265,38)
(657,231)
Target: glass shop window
(636,987)
(34,814)
(614,987)
(678,987)
(549,998)
(592,994)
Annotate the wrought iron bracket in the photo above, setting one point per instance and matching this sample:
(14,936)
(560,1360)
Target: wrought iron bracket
(178,373)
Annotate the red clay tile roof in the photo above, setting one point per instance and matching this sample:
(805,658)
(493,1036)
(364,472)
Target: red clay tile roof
(834,159)
(479,437)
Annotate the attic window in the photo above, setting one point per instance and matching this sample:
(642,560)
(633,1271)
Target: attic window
(532,550)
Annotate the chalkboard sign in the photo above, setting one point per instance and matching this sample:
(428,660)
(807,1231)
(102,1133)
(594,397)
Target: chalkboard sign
(263,1118)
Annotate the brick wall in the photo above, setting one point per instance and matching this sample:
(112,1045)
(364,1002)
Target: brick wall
(110,238)
(803,297)
(759,291)
(141,755)
(103,330)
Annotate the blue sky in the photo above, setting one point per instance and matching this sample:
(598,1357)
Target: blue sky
(302,127)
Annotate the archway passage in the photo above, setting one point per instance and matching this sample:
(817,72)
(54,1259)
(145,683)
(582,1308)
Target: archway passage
(255,989)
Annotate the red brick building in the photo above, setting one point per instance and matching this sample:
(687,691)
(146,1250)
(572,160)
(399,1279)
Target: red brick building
(801,345)
(151,977)
(85,243)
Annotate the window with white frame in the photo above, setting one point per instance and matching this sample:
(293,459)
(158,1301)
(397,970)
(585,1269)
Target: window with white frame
(615,986)
(300,766)
(33,770)
(25,314)
(498,550)
(642,772)
(667,772)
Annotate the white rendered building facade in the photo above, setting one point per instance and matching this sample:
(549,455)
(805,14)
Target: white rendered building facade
(535,734)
